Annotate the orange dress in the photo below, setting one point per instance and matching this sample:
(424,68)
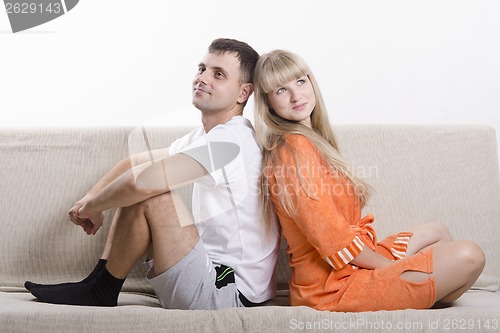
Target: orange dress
(326,232)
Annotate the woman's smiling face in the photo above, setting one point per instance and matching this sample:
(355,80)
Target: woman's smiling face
(294,100)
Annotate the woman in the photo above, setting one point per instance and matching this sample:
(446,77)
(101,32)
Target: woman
(337,263)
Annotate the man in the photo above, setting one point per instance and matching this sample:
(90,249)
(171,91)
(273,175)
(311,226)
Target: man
(222,260)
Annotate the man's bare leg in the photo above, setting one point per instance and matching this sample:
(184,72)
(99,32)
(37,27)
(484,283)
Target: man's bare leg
(98,268)
(156,221)
(134,228)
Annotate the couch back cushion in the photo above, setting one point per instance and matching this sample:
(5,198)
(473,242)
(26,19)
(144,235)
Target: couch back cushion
(446,174)
(44,172)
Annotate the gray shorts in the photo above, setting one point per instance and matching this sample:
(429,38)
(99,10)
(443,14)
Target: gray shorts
(195,283)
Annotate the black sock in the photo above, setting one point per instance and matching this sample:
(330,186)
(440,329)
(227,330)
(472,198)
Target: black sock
(100,265)
(101,291)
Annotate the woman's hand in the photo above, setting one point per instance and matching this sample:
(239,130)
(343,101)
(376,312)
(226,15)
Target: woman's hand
(371,259)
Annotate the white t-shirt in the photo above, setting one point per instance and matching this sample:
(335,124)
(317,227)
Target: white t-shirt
(226,206)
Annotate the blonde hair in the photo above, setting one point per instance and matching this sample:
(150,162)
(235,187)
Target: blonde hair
(274,69)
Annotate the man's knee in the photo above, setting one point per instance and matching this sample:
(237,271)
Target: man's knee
(168,208)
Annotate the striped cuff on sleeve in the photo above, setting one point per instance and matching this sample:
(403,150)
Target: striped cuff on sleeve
(346,255)
(400,245)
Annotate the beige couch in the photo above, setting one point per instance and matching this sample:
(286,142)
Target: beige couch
(421,173)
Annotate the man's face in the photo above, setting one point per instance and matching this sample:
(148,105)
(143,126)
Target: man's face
(217,84)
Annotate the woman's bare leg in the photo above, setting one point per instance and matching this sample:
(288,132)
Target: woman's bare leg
(426,236)
(457,265)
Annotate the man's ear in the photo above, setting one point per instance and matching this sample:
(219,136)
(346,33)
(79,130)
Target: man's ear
(246,90)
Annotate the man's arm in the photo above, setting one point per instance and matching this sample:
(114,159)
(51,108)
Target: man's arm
(118,170)
(125,165)
(138,184)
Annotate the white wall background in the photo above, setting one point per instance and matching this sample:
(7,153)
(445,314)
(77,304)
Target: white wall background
(123,62)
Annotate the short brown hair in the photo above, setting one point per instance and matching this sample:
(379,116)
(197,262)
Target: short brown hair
(247,56)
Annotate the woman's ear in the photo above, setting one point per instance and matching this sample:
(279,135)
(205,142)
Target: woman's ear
(246,90)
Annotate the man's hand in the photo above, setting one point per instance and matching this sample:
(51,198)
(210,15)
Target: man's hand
(89,221)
